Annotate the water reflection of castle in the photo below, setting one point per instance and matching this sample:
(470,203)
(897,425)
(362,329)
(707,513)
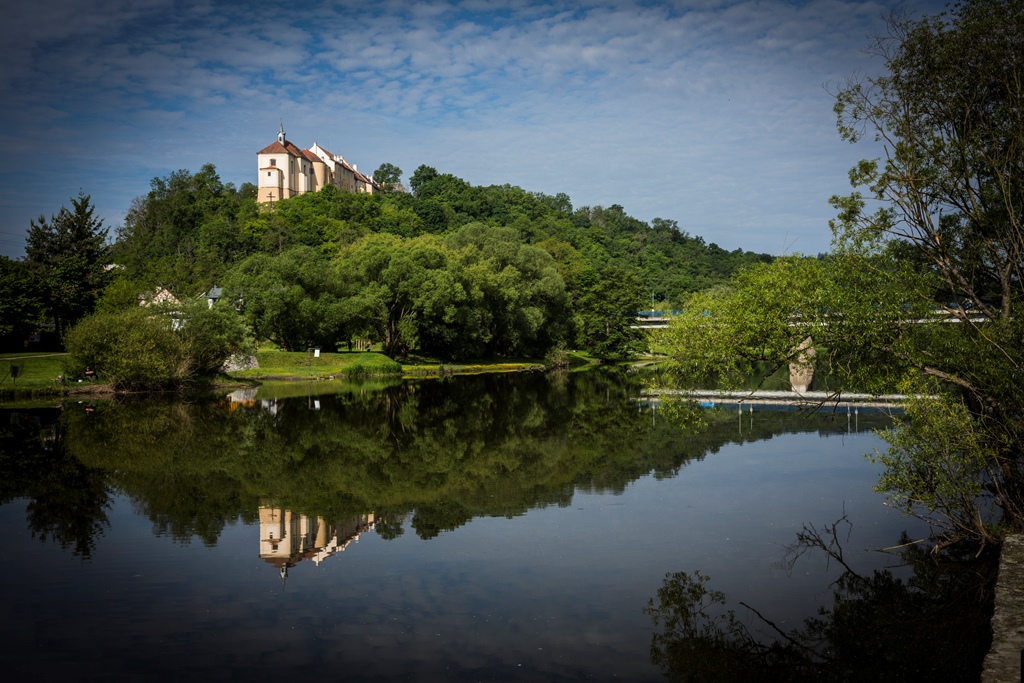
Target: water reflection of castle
(287,538)
(246,398)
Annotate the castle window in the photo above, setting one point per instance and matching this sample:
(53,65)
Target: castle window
(273,162)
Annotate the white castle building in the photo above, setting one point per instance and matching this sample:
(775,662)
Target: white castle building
(286,171)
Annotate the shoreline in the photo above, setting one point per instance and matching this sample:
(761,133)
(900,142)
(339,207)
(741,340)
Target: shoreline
(9,395)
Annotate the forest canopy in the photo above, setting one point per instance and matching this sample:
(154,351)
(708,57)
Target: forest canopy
(451,269)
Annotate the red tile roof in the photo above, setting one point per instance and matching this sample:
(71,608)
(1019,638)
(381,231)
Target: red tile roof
(278,148)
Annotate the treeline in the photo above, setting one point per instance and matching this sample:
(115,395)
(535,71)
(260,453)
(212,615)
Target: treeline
(191,228)
(449,268)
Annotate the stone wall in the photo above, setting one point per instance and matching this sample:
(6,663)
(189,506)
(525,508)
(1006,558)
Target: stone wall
(1003,662)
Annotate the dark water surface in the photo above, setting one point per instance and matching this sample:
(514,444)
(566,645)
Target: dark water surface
(498,528)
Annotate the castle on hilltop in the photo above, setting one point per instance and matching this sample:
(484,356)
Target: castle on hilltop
(286,171)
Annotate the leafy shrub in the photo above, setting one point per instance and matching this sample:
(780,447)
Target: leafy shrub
(373,364)
(557,358)
(212,335)
(131,349)
(144,348)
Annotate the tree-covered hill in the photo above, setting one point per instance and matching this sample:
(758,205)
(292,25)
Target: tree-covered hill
(192,228)
(450,269)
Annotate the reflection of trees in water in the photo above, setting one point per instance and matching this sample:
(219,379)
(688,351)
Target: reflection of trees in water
(932,627)
(69,507)
(67,501)
(442,452)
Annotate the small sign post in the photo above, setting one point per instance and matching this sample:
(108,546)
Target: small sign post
(15,371)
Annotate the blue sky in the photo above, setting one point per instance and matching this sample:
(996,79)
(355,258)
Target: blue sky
(712,113)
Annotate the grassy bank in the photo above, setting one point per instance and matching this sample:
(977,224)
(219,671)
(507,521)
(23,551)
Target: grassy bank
(36,369)
(37,373)
(425,366)
(286,365)
(275,364)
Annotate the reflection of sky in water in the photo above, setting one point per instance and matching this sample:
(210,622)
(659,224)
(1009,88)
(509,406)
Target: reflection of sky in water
(554,594)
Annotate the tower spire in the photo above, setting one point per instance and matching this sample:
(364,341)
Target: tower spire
(280,133)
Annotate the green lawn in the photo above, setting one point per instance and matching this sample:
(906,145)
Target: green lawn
(36,369)
(276,364)
(299,365)
(427,366)
(36,375)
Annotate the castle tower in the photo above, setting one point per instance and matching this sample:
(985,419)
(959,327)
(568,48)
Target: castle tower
(284,170)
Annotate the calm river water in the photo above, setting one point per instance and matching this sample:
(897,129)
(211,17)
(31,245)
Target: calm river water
(494,528)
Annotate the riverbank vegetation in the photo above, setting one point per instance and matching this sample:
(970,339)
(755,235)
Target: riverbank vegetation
(449,270)
(921,289)
(139,348)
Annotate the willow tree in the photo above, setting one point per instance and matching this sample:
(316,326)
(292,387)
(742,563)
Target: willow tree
(949,112)
(922,284)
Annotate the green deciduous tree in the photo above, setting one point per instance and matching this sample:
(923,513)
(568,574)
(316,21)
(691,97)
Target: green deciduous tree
(421,176)
(131,349)
(188,230)
(210,335)
(119,294)
(922,290)
(949,115)
(399,287)
(479,293)
(606,313)
(291,299)
(948,112)
(517,304)
(389,177)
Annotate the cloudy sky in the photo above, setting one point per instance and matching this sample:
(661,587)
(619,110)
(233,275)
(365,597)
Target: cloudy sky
(714,113)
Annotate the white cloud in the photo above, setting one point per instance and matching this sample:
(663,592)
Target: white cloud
(708,112)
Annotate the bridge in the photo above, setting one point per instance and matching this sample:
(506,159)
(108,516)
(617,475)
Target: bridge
(746,403)
(764,397)
(656,320)
(652,320)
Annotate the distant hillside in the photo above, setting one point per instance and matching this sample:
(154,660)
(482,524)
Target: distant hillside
(191,228)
